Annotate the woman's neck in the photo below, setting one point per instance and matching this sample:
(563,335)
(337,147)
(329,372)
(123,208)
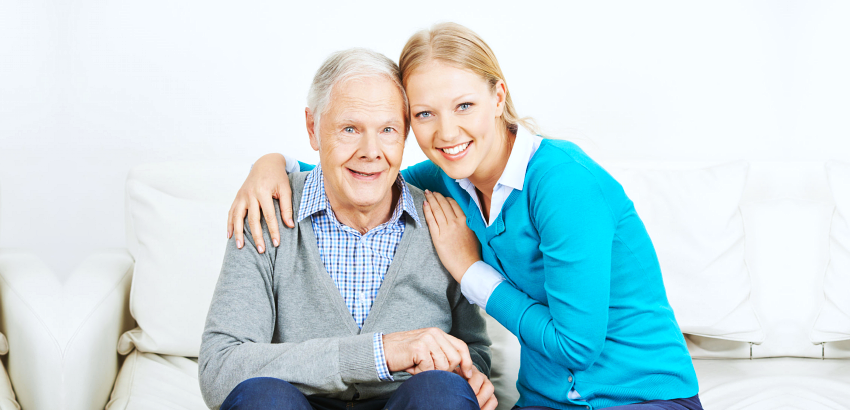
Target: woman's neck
(487,175)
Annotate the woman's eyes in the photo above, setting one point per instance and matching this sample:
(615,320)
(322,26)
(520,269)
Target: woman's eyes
(460,107)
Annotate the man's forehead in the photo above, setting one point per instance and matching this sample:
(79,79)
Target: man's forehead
(356,108)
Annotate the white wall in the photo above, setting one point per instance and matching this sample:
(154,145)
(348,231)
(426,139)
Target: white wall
(89,89)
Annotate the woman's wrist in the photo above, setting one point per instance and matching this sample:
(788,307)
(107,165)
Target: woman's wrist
(478,283)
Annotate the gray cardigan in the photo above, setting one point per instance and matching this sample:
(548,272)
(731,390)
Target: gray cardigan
(279,314)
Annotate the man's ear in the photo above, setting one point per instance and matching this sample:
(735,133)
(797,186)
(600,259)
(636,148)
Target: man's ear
(501,96)
(311,129)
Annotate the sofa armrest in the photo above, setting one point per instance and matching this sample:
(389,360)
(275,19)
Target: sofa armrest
(97,307)
(30,317)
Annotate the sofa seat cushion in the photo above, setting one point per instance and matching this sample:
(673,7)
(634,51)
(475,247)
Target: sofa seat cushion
(152,381)
(775,383)
(7,395)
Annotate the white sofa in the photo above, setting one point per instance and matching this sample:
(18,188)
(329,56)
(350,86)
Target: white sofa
(756,258)
(30,324)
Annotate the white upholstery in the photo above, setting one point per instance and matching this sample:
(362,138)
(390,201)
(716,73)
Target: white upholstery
(152,381)
(833,322)
(175,232)
(96,314)
(30,319)
(785,211)
(771,384)
(694,220)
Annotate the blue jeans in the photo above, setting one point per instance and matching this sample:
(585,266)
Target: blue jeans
(427,390)
(691,403)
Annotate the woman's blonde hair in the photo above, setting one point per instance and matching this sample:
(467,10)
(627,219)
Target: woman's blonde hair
(459,46)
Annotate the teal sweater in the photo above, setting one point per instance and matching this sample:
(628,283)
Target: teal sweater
(584,293)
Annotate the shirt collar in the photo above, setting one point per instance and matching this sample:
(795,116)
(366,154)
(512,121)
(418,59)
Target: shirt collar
(514,174)
(314,199)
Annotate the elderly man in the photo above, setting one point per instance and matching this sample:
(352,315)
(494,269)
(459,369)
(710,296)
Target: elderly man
(354,300)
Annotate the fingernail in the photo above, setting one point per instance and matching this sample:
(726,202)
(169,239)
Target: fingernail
(239,244)
(468,374)
(426,202)
(259,248)
(228,234)
(427,191)
(274,241)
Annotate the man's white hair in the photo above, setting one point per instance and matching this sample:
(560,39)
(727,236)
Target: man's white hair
(345,65)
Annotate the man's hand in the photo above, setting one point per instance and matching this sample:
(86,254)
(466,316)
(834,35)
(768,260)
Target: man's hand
(416,351)
(483,389)
(267,181)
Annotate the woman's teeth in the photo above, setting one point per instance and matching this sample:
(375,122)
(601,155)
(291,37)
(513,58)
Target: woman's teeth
(456,149)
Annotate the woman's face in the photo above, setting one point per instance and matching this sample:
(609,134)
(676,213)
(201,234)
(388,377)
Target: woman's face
(454,115)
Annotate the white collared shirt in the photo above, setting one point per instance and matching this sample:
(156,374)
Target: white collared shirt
(480,280)
(513,177)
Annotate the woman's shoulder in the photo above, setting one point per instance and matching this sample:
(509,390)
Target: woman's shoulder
(560,164)
(565,159)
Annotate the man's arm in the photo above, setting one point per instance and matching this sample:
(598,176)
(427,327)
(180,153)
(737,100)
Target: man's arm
(469,326)
(236,343)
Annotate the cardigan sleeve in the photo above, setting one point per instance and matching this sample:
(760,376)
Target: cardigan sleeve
(576,227)
(237,341)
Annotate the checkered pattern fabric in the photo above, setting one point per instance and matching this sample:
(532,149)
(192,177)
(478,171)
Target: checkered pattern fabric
(356,262)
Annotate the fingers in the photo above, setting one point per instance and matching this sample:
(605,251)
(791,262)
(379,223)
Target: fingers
(444,205)
(238,218)
(256,227)
(491,403)
(436,208)
(285,199)
(456,208)
(230,220)
(429,219)
(449,358)
(267,206)
(485,391)
(465,359)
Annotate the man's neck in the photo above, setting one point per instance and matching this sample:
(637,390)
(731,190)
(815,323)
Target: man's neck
(364,219)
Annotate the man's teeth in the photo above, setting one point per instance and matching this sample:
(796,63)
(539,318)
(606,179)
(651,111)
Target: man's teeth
(455,149)
(361,173)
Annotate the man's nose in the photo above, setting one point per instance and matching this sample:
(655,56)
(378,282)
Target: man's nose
(370,146)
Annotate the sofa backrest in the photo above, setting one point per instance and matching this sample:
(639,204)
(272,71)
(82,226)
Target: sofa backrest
(175,215)
(175,224)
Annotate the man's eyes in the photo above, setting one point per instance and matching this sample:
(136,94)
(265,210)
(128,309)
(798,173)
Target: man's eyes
(389,129)
(348,129)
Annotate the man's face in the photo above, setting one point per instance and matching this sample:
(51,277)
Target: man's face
(361,141)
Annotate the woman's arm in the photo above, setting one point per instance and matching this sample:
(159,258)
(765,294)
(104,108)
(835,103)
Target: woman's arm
(268,180)
(576,228)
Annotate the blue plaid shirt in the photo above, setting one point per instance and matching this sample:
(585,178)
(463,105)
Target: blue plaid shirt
(356,262)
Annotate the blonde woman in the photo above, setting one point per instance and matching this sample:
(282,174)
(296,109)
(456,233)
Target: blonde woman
(565,263)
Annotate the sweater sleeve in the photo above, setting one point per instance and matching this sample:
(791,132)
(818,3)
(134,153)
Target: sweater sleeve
(237,340)
(469,326)
(576,227)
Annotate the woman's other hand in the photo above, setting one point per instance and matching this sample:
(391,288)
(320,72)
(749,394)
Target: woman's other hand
(456,244)
(266,181)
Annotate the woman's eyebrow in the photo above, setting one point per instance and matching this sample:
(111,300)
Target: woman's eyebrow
(463,97)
